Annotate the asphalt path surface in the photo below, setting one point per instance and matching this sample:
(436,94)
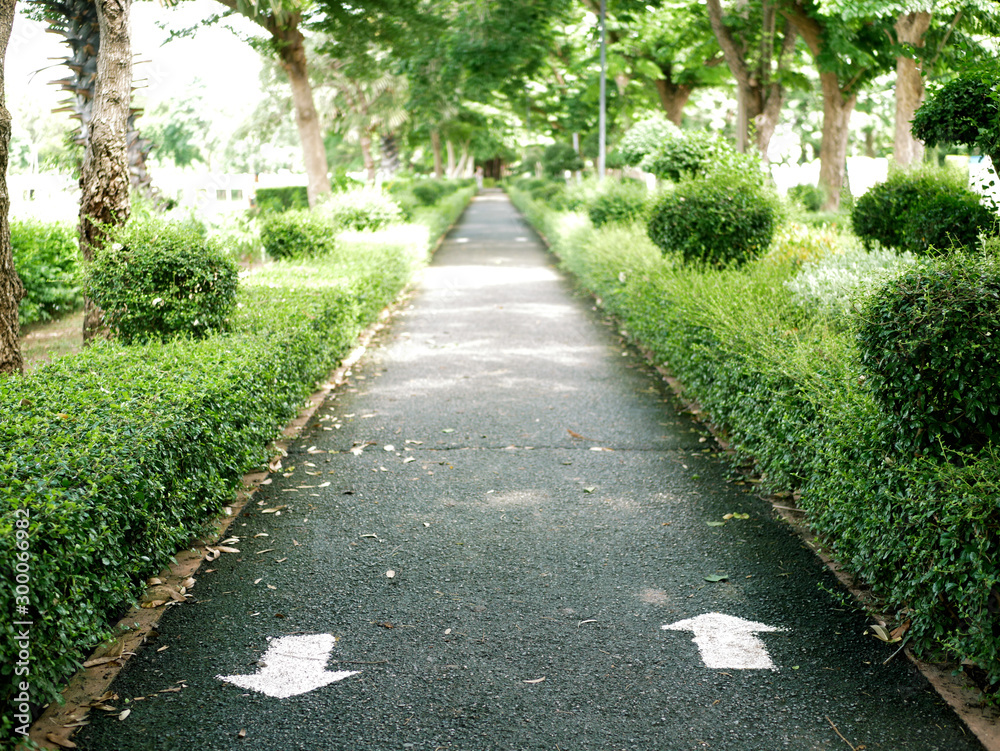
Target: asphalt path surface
(492,566)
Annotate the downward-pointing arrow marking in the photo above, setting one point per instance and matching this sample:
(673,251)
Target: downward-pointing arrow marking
(293,665)
(726,641)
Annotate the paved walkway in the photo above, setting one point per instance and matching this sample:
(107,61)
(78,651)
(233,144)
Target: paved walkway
(480,545)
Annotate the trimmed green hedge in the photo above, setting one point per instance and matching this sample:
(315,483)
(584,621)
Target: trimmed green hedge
(47,259)
(784,383)
(282,199)
(119,456)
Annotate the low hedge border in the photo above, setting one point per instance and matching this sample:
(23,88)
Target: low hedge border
(783,383)
(114,459)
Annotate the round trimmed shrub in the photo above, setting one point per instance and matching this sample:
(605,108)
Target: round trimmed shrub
(930,349)
(687,154)
(428,193)
(644,138)
(297,234)
(809,197)
(156,280)
(560,158)
(618,202)
(551,193)
(921,211)
(726,218)
(364,209)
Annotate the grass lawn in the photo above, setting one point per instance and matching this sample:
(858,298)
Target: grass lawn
(42,342)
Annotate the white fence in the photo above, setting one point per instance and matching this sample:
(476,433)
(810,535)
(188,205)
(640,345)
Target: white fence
(57,197)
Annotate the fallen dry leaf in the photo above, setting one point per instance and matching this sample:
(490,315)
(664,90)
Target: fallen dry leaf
(163,648)
(241,734)
(97,661)
(265,550)
(225,549)
(537,680)
(124,714)
(902,628)
(61,742)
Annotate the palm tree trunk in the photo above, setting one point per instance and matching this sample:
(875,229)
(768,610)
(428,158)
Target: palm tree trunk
(104,177)
(11,289)
(366,155)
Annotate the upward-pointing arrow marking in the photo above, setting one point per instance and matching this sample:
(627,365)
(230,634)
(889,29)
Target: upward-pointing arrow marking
(726,641)
(292,665)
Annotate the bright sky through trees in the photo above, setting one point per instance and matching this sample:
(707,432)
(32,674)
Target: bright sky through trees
(226,66)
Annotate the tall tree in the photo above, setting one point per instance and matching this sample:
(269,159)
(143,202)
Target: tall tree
(910,28)
(847,55)
(922,32)
(474,52)
(104,176)
(670,47)
(283,19)
(11,290)
(757,43)
(368,100)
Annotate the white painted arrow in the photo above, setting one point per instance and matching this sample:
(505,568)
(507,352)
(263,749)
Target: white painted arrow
(292,665)
(726,641)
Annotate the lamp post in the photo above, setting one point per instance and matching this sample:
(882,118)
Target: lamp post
(602,125)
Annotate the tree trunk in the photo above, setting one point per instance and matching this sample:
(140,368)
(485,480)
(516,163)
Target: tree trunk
(451,158)
(673,97)
(292,52)
(766,121)
(366,155)
(390,154)
(104,177)
(436,148)
(837,109)
(11,290)
(759,96)
(910,29)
